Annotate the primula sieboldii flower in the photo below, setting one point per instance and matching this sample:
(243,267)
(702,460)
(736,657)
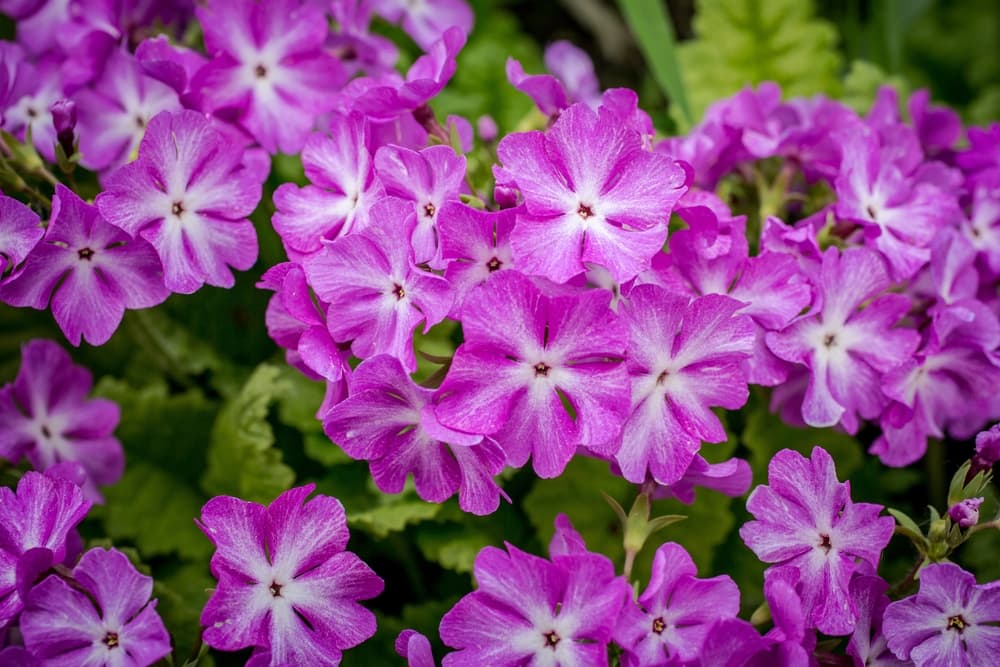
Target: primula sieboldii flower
(45,415)
(806,522)
(115,110)
(529,610)
(790,642)
(33,88)
(732,477)
(269,68)
(592,194)
(298,324)
(900,214)
(286,586)
(88,270)
(981,160)
(867,643)
(526,353)
(950,621)
(672,617)
(428,178)
(388,420)
(572,79)
(343,188)
(20,231)
(188,194)
(476,244)
(982,227)
(35,525)
(376,294)
(416,648)
(170,64)
(359,49)
(847,347)
(683,358)
(426,20)
(712,256)
(104,618)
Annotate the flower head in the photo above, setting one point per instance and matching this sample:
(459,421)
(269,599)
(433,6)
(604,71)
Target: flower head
(188,194)
(551,612)
(806,522)
(286,585)
(950,621)
(592,195)
(104,618)
(89,271)
(45,415)
(20,231)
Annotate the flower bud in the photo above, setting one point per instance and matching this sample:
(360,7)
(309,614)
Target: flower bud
(987,451)
(487,129)
(966,512)
(64,119)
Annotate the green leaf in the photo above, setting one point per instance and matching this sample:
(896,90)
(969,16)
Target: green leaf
(906,525)
(746,42)
(862,83)
(654,32)
(242,460)
(182,591)
(709,521)
(765,435)
(299,401)
(452,546)
(156,501)
(578,494)
(395,515)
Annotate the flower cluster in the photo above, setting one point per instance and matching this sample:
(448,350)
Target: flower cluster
(93,609)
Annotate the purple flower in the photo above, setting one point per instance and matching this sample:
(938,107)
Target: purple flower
(286,585)
(188,194)
(711,256)
(64,120)
(683,359)
(950,621)
(88,270)
(987,448)
(34,88)
(171,64)
(674,614)
(298,324)
(789,642)
(388,420)
(104,617)
(526,353)
(806,521)
(343,189)
(983,225)
(377,295)
(45,415)
(476,244)
(269,68)
(847,347)
(528,610)
(980,161)
(966,512)
(416,648)
(867,644)
(35,526)
(429,179)
(572,79)
(354,44)
(732,477)
(427,20)
(20,231)
(592,194)
(900,215)
(115,110)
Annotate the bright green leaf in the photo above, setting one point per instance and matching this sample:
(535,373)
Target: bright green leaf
(451,546)
(242,460)
(393,516)
(747,42)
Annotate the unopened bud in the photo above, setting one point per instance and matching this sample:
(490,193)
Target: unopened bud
(966,512)
(64,119)
(486,127)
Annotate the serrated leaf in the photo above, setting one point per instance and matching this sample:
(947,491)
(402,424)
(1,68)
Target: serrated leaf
(393,517)
(746,42)
(242,459)
(862,82)
(182,591)
(156,501)
(299,401)
(577,493)
(765,435)
(451,546)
